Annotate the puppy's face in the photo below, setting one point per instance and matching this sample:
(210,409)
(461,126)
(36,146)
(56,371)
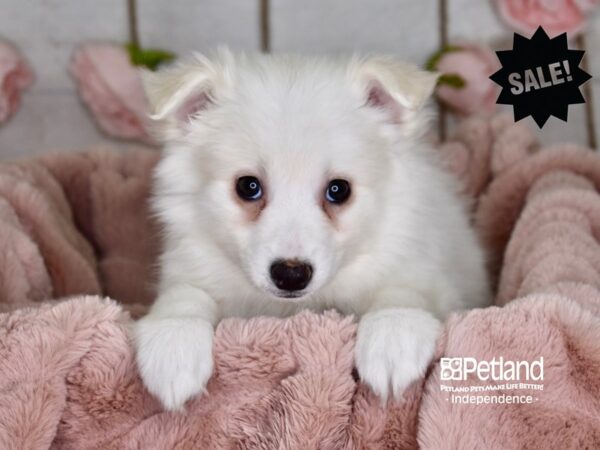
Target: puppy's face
(287,160)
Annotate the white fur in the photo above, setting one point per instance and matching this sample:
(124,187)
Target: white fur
(400,255)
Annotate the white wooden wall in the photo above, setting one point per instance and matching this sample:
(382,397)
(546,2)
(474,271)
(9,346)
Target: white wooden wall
(47,31)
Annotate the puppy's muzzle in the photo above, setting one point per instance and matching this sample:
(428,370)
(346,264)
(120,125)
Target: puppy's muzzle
(291,274)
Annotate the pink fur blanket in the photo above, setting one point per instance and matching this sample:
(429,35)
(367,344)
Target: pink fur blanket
(77,226)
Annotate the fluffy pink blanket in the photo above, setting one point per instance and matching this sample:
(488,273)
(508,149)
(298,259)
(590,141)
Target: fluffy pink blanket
(78,224)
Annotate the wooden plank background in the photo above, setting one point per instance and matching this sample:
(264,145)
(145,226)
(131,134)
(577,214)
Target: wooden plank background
(47,31)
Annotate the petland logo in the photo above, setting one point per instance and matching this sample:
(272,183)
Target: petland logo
(508,382)
(459,369)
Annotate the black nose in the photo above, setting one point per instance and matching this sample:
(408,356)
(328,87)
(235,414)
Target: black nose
(291,274)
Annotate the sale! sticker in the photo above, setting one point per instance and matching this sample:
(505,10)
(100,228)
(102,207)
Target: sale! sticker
(540,77)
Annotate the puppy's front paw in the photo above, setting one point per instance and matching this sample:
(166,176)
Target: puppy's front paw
(174,357)
(394,347)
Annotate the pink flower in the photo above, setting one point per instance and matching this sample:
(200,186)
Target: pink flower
(555,16)
(15,75)
(473,65)
(112,88)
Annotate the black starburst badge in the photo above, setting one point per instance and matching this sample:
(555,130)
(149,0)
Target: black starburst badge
(540,77)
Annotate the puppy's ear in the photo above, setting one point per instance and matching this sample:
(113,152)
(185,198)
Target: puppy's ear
(400,90)
(179,94)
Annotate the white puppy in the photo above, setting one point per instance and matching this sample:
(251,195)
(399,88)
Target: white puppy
(293,182)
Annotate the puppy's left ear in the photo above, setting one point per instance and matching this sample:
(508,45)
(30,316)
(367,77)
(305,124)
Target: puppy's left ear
(398,89)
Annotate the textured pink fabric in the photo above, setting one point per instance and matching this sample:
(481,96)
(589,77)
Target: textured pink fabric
(77,224)
(546,211)
(482,147)
(68,378)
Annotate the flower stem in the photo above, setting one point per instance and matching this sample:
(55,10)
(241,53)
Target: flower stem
(134,37)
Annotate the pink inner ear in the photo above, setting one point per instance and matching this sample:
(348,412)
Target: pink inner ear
(379,98)
(192,106)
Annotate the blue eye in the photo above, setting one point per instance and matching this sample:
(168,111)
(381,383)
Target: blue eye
(248,188)
(338,191)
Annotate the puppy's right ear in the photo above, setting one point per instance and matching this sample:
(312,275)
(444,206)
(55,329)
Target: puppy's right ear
(179,94)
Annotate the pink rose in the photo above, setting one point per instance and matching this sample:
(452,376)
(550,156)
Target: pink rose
(555,16)
(112,88)
(15,75)
(472,66)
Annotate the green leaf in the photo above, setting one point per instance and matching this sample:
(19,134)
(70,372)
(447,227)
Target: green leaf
(452,79)
(434,59)
(150,58)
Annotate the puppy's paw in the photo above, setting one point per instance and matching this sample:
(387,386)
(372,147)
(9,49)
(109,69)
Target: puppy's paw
(394,347)
(174,357)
